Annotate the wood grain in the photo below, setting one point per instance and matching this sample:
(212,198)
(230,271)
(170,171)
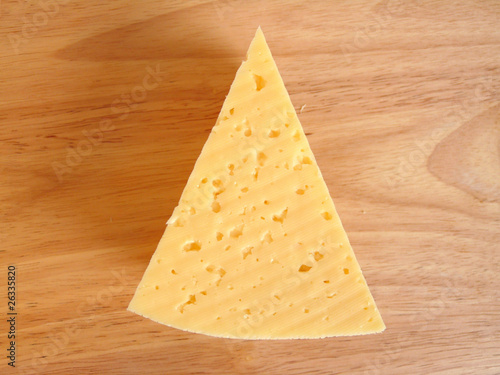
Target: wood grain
(402,112)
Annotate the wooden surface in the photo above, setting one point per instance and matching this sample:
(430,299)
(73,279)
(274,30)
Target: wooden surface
(402,111)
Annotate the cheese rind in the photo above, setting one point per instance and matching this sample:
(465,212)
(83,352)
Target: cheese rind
(255,248)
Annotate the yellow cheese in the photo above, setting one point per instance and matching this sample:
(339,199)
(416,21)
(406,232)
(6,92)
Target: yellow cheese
(255,248)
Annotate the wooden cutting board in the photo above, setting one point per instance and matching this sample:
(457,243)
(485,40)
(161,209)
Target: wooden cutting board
(105,106)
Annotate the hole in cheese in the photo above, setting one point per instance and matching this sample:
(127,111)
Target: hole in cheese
(304,268)
(192,246)
(255,174)
(326,215)
(210,268)
(267,238)
(221,271)
(260,83)
(281,217)
(179,222)
(237,231)
(216,207)
(247,251)
(274,133)
(261,158)
(305,160)
(318,256)
(190,301)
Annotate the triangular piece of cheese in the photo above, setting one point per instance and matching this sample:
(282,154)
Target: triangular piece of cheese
(255,248)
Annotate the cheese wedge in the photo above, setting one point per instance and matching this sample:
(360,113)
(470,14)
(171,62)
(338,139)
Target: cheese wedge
(255,248)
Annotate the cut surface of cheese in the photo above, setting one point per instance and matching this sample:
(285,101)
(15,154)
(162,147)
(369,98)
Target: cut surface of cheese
(255,248)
